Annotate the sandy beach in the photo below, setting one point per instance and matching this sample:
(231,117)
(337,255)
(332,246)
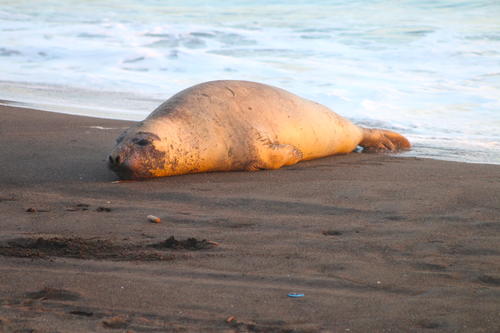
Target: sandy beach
(375,243)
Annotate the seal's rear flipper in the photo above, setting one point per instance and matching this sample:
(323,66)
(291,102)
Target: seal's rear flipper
(378,140)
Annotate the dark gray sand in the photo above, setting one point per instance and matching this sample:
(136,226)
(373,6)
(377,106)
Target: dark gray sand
(375,243)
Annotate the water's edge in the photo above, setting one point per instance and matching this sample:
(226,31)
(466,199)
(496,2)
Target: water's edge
(134,107)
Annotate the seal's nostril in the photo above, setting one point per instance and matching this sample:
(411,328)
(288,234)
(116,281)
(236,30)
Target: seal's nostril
(114,161)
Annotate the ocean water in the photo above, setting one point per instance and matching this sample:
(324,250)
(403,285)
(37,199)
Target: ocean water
(428,69)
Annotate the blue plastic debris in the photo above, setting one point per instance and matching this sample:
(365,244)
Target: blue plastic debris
(295,295)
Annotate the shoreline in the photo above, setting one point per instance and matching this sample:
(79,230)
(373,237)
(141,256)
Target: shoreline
(374,242)
(151,104)
(76,100)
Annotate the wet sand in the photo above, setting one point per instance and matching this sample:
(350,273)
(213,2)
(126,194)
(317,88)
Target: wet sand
(375,243)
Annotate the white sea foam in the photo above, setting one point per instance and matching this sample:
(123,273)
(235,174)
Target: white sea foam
(428,69)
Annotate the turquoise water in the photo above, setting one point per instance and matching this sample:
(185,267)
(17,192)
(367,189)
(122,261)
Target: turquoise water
(429,69)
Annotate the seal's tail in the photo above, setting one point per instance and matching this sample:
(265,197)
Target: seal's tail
(377,140)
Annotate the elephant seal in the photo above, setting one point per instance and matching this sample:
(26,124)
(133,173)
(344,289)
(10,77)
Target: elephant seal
(238,125)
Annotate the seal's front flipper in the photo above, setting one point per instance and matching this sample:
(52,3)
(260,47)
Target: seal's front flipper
(280,155)
(377,140)
(271,155)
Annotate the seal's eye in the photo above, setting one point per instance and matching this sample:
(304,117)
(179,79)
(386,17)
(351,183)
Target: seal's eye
(141,142)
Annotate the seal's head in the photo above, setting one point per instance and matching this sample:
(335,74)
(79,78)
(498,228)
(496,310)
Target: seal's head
(135,155)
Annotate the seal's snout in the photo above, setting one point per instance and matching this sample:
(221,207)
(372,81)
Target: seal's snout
(116,160)
(120,166)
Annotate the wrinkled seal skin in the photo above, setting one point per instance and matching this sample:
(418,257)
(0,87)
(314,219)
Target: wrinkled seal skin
(238,125)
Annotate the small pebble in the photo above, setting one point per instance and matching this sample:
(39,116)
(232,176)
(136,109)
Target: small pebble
(153,219)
